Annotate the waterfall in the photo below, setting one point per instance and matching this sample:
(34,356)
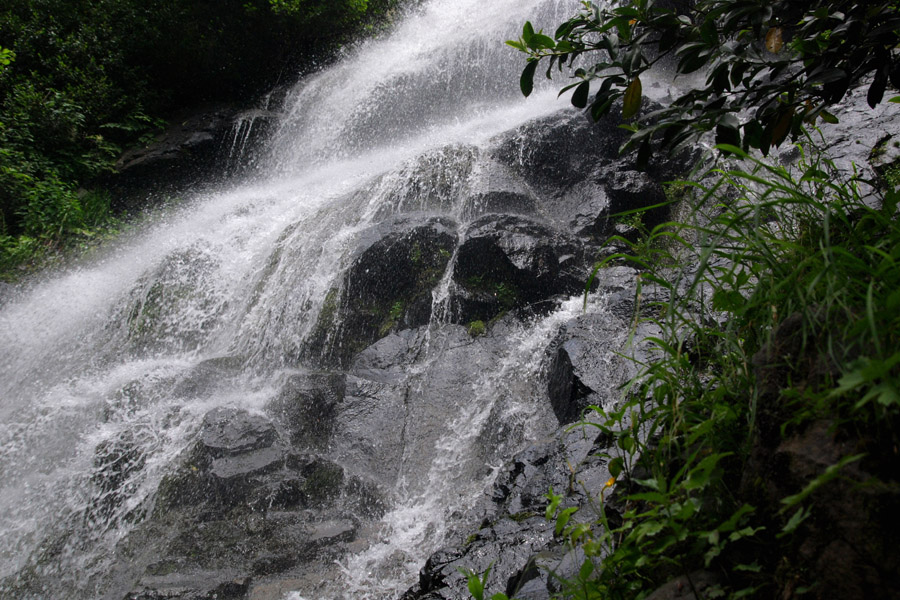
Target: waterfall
(108,368)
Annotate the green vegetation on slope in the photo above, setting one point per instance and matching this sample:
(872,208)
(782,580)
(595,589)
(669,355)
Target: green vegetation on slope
(802,281)
(82,80)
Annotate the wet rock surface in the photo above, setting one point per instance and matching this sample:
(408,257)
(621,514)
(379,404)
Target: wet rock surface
(194,150)
(262,503)
(511,262)
(387,287)
(574,167)
(515,539)
(242,508)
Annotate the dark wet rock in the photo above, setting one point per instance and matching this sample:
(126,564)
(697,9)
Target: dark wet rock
(585,370)
(511,262)
(504,547)
(190,587)
(500,202)
(230,432)
(195,149)
(306,406)
(515,540)
(387,287)
(244,506)
(235,449)
(495,188)
(559,150)
(372,433)
(574,166)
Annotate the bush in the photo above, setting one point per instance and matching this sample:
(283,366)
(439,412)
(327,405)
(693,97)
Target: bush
(783,62)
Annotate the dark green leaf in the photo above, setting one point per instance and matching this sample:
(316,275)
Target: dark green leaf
(518,45)
(616,466)
(526,82)
(527,32)
(876,90)
(598,109)
(539,41)
(580,97)
(643,156)
(586,569)
(781,126)
(753,135)
(828,117)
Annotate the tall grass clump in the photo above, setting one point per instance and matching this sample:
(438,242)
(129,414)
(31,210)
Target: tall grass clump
(773,307)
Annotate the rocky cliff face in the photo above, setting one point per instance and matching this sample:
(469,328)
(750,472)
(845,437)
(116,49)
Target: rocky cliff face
(476,247)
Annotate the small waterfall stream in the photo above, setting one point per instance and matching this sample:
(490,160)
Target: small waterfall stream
(107,370)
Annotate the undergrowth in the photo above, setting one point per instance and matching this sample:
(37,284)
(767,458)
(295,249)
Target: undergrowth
(777,305)
(59,224)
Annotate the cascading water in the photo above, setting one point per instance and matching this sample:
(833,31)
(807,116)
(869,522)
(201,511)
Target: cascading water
(107,370)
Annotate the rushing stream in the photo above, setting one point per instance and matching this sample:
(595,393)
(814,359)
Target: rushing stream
(213,303)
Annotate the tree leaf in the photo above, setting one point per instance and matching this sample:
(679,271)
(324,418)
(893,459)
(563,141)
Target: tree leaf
(526,82)
(876,90)
(616,466)
(782,126)
(631,103)
(580,97)
(774,40)
(643,157)
(527,32)
(828,117)
(518,45)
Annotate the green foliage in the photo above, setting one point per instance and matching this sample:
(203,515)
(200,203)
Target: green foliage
(393,317)
(788,61)
(799,244)
(477,584)
(477,328)
(6,57)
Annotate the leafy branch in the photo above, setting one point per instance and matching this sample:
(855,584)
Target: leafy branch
(770,67)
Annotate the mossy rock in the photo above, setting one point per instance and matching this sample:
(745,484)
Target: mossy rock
(387,287)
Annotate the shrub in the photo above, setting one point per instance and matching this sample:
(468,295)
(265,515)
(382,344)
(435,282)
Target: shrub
(787,61)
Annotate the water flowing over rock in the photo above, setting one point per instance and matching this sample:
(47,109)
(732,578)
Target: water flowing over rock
(304,387)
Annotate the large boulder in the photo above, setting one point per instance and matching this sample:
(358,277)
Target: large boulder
(387,287)
(575,168)
(511,262)
(242,507)
(196,149)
